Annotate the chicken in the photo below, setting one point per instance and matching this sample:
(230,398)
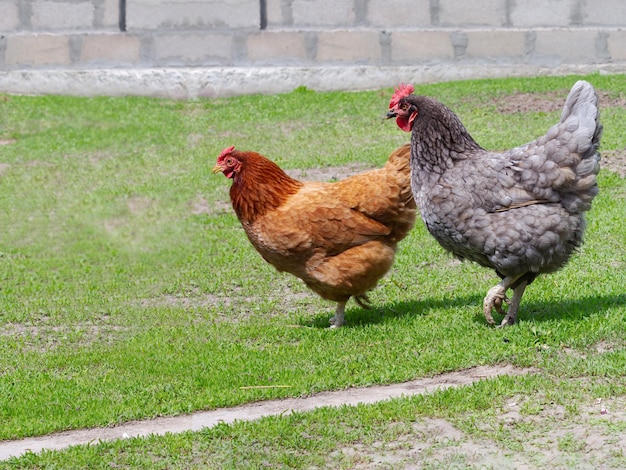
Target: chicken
(520,212)
(340,238)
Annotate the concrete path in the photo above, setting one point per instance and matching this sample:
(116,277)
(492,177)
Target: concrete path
(252,411)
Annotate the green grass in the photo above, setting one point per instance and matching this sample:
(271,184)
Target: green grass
(128,289)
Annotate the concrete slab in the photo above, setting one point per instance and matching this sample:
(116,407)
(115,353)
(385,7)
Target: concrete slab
(253,411)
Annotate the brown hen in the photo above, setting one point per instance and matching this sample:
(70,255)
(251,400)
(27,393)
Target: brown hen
(340,238)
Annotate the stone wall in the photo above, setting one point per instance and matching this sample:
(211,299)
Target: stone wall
(117,46)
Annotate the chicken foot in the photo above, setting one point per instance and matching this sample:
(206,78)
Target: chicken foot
(496,296)
(362,300)
(337,320)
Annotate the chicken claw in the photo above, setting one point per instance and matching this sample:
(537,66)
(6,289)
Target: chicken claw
(493,300)
(497,304)
(336,322)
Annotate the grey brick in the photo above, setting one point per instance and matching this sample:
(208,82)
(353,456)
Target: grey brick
(185,14)
(117,49)
(473,13)
(276,15)
(565,46)
(327,13)
(617,45)
(414,47)
(361,47)
(51,16)
(110,14)
(605,12)
(10,17)
(193,48)
(496,44)
(390,14)
(271,47)
(538,13)
(38,49)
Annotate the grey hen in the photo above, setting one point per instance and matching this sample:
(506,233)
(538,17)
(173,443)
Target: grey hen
(520,212)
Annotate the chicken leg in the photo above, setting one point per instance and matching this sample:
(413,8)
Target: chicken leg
(511,314)
(338,319)
(497,295)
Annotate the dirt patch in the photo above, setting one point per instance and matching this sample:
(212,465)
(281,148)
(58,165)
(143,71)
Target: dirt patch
(135,206)
(531,102)
(436,443)
(114,224)
(99,156)
(430,443)
(4,167)
(602,347)
(139,204)
(237,306)
(199,205)
(331,173)
(194,140)
(590,438)
(614,160)
(549,102)
(44,338)
(230,134)
(550,438)
(198,301)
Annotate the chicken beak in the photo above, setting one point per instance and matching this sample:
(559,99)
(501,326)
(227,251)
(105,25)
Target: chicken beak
(391,114)
(217,169)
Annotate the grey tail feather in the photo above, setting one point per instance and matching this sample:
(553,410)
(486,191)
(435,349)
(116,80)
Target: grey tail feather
(582,92)
(582,101)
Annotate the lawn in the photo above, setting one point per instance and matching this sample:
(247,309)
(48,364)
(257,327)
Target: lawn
(128,289)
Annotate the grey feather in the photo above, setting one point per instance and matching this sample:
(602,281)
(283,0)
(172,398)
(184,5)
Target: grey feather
(520,212)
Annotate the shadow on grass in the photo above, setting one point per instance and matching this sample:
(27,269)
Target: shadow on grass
(384,312)
(571,309)
(567,309)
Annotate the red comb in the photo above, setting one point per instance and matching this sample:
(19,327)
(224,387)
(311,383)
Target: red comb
(225,152)
(403,90)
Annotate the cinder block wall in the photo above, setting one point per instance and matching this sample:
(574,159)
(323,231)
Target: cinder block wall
(136,35)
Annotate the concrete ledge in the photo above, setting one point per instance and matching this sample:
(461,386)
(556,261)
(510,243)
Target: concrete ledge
(189,83)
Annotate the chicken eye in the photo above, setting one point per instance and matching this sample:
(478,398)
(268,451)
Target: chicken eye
(404,106)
